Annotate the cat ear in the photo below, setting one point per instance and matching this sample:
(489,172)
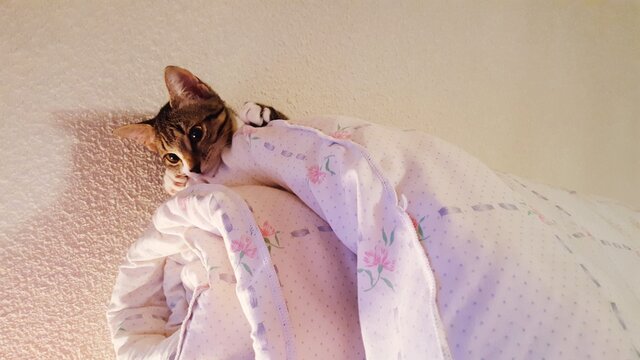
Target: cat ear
(185,88)
(143,133)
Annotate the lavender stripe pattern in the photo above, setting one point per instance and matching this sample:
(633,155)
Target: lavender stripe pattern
(563,210)
(482,207)
(539,195)
(508,206)
(300,233)
(228,278)
(261,331)
(226,221)
(253,299)
(589,275)
(563,244)
(449,210)
(614,307)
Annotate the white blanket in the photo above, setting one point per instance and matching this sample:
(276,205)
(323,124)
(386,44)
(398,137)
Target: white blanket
(450,258)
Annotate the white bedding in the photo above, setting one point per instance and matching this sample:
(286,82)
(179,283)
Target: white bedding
(444,257)
(197,281)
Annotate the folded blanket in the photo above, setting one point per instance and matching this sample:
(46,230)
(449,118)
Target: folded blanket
(449,258)
(177,292)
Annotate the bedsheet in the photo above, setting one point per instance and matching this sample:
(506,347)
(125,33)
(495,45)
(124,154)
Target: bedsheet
(451,258)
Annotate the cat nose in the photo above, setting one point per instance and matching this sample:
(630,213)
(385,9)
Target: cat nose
(196,169)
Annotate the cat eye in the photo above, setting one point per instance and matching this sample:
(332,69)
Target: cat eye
(172,158)
(195,134)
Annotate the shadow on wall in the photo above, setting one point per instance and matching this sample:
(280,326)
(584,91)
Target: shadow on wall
(61,264)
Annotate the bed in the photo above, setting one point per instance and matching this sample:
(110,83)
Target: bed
(332,237)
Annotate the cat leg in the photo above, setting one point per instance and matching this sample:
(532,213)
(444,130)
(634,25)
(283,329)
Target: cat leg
(257,115)
(174,182)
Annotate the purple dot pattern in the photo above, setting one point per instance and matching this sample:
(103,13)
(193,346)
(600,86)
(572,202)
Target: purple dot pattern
(503,253)
(213,317)
(384,237)
(506,268)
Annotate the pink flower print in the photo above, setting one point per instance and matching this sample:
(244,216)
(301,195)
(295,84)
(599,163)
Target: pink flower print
(341,134)
(379,257)
(417,225)
(541,217)
(414,222)
(247,130)
(266,229)
(315,174)
(237,246)
(244,247)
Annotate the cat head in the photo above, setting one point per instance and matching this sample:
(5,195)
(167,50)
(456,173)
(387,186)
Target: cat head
(191,130)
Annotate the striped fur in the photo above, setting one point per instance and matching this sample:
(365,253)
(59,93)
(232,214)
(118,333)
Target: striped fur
(192,129)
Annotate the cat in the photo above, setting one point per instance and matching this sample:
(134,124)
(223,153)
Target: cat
(192,129)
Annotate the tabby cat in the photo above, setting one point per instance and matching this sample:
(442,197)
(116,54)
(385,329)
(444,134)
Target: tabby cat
(191,130)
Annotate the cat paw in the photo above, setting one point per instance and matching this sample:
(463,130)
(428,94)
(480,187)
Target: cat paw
(255,114)
(174,183)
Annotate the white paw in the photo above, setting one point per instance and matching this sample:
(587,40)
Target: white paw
(173,183)
(254,114)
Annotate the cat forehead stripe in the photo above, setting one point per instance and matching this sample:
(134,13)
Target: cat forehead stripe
(215,114)
(177,127)
(166,135)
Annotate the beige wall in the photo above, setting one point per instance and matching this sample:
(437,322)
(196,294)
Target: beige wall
(545,89)
(548,90)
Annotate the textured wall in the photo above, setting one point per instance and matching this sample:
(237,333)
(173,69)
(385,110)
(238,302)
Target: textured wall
(547,90)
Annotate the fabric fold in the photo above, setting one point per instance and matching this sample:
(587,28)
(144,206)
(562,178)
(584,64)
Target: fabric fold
(445,258)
